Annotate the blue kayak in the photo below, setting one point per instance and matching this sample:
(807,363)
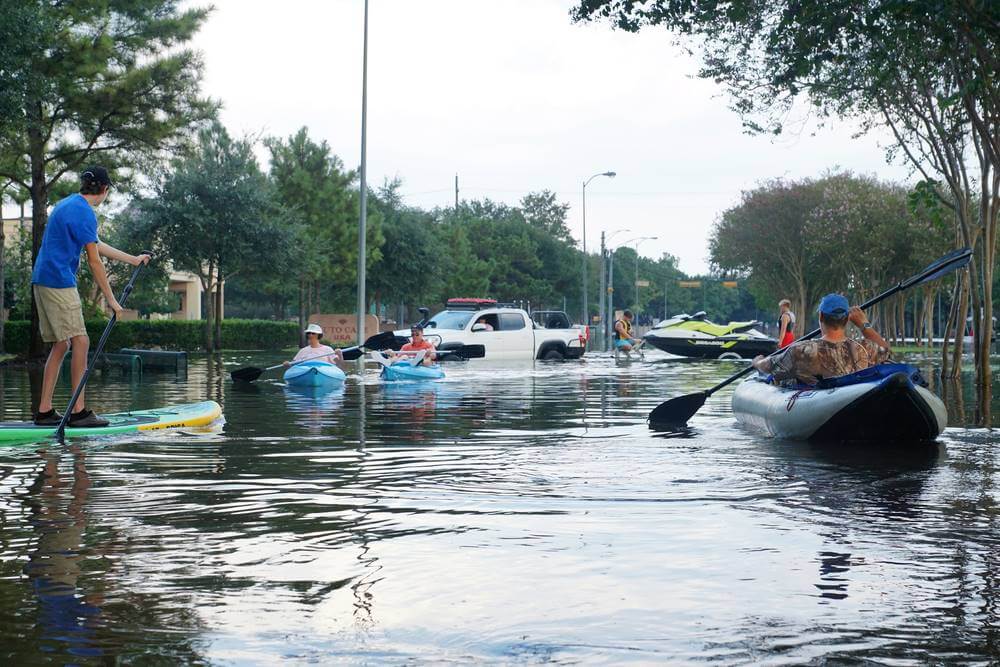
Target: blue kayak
(403,370)
(314,374)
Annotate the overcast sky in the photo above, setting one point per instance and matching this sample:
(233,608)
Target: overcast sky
(513,97)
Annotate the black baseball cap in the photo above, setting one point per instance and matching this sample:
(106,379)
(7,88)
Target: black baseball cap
(96,174)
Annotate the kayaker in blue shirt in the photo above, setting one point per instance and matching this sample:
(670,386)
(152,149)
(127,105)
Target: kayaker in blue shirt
(72,228)
(832,355)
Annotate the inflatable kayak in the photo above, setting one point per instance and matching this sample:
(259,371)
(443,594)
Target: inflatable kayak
(314,374)
(888,402)
(404,370)
(190,414)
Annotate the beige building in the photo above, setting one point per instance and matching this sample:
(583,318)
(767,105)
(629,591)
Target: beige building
(185,285)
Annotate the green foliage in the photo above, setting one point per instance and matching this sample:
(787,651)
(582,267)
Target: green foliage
(312,184)
(174,334)
(407,268)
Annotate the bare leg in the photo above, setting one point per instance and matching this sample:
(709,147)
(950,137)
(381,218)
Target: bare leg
(78,365)
(51,374)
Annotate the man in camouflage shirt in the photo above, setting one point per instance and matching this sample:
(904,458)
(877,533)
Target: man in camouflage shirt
(832,355)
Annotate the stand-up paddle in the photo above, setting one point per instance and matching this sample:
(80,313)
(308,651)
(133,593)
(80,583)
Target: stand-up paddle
(61,429)
(379,341)
(676,411)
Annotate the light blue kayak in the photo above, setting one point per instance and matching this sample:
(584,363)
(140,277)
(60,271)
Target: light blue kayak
(403,370)
(314,374)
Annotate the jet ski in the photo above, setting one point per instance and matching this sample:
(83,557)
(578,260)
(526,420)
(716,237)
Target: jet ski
(695,336)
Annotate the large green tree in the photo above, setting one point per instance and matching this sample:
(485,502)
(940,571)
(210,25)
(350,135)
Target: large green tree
(107,81)
(926,70)
(215,214)
(312,182)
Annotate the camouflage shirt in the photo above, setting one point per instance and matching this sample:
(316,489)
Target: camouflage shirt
(808,360)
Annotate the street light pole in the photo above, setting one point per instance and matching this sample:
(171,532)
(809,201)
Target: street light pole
(586,309)
(600,309)
(362,301)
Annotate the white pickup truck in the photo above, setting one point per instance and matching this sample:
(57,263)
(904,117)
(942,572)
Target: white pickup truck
(505,333)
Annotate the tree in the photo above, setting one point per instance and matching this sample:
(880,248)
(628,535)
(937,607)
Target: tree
(542,211)
(107,81)
(925,70)
(409,268)
(216,216)
(311,182)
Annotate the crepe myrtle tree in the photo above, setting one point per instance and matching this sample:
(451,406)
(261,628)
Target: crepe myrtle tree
(105,81)
(926,71)
(215,214)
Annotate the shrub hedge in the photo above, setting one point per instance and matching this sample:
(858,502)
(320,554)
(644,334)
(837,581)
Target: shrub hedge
(172,334)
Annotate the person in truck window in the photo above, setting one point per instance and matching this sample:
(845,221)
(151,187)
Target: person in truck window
(832,355)
(482,320)
(416,344)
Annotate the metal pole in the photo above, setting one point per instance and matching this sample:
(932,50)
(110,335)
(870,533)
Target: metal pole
(604,277)
(611,299)
(584,240)
(456,193)
(637,277)
(362,302)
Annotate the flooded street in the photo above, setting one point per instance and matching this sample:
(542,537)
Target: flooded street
(518,513)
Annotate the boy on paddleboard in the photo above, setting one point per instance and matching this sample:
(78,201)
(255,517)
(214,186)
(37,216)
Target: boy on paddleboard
(72,228)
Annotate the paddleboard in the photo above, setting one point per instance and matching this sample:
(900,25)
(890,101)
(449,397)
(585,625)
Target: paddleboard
(177,416)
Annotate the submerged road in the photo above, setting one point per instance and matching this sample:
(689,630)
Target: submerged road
(519,513)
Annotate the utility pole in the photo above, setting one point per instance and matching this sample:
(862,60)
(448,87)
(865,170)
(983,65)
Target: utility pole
(456,193)
(603,291)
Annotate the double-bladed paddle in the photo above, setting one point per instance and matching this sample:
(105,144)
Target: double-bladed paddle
(676,411)
(379,341)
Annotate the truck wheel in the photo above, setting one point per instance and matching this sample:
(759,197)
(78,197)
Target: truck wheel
(553,355)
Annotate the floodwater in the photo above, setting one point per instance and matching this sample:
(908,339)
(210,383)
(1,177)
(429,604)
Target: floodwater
(508,514)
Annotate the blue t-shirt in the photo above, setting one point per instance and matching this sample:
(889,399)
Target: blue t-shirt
(72,225)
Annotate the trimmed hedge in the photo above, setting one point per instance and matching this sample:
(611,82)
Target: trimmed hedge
(172,334)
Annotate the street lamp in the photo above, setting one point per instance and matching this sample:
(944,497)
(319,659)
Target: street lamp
(644,238)
(362,301)
(611,274)
(586,312)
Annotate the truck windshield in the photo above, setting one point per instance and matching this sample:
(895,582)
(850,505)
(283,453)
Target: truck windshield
(450,319)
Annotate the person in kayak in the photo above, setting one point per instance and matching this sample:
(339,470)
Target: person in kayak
(786,323)
(416,344)
(623,333)
(72,229)
(832,355)
(314,349)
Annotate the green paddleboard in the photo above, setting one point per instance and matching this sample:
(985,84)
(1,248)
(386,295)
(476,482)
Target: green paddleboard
(189,414)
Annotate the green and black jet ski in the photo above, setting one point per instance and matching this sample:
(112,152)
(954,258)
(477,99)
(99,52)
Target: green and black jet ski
(695,336)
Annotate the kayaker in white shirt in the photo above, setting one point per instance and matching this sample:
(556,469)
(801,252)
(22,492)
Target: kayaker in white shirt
(315,350)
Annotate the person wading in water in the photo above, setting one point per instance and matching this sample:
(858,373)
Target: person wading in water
(786,324)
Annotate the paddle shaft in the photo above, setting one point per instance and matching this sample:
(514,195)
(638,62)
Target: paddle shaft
(61,430)
(895,289)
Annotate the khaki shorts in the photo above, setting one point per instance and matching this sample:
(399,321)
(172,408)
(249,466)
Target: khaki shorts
(60,315)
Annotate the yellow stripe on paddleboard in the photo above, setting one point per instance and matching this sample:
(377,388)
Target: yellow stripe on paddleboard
(199,419)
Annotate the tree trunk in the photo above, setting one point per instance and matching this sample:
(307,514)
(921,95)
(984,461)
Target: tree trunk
(949,328)
(961,316)
(209,307)
(39,218)
(302,312)
(218,311)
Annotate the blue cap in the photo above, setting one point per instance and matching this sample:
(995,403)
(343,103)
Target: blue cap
(835,305)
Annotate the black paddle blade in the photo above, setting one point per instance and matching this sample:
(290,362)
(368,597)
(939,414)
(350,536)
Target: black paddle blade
(352,353)
(677,411)
(951,262)
(246,374)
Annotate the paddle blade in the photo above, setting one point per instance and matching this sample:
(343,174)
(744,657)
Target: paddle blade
(472,351)
(951,262)
(379,341)
(352,353)
(246,374)
(677,411)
